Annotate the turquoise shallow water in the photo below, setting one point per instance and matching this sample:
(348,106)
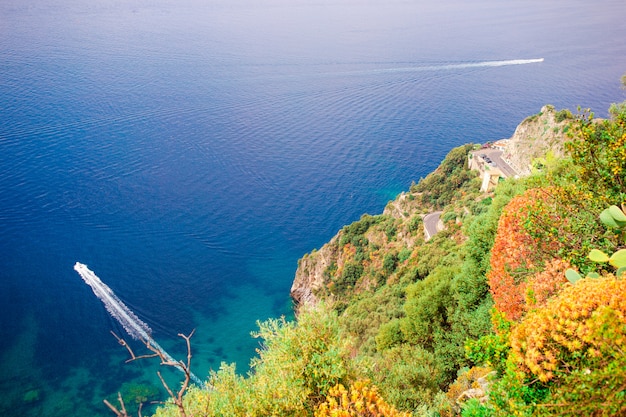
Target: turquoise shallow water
(190,152)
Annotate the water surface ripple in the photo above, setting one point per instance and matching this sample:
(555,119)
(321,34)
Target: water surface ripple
(191,151)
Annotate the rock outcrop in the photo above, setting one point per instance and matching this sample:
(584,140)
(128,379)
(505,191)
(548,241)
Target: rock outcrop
(310,277)
(538,137)
(479,390)
(318,269)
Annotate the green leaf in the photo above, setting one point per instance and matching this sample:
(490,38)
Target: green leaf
(572,276)
(618,259)
(598,256)
(620,271)
(618,215)
(593,275)
(608,220)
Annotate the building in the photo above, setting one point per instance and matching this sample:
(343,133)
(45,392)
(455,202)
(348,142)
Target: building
(488,170)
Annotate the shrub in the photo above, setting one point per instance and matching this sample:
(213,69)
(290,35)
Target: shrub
(585,322)
(361,321)
(470,286)
(354,232)
(296,368)
(544,284)
(473,408)
(492,349)
(517,256)
(567,358)
(406,375)
(350,274)
(390,261)
(404,254)
(391,229)
(427,308)
(361,400)
(448,216)
(562,115)
(389,334)
(440,187)
(599,152)
(415,224)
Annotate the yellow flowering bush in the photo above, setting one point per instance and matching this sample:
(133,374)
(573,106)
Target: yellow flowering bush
(361,400)
(568,358)
(586,321)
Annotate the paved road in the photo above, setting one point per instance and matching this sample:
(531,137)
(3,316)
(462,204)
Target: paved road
(431,222)
(496,156)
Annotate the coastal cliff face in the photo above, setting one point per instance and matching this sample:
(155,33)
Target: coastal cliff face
(309,280)
(380,248)
(537,138)
(398,228)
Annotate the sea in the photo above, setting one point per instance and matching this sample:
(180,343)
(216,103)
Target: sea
(189,152)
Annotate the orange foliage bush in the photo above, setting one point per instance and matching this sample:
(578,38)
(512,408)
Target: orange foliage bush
(544,284)
(583,325)
(518,259)
(362,400)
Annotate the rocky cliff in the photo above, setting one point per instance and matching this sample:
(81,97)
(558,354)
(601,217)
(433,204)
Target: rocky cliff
(538,138)
(309,280)
(322,269)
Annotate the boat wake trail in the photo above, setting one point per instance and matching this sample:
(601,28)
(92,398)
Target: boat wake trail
(482,64)
(136,328)
(444,67)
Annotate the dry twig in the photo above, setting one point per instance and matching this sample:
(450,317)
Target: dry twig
(185,367)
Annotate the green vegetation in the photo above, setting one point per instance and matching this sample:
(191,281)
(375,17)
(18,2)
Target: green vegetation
(294,372)
(135,394)
(447,182)
(562,115)
(478,321)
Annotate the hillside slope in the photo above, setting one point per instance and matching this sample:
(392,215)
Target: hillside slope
(517,307)
(537,138)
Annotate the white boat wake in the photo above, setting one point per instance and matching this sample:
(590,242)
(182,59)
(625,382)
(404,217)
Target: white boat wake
(482,64)
(136,328)
(443,67)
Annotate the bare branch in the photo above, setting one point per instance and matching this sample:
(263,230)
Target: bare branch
(185,367)
(118,413)
(167,387)
(123,343)
(153,355)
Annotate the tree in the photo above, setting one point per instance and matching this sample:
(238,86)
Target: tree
(293,373)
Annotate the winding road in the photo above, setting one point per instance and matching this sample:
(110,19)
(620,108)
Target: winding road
(431,224)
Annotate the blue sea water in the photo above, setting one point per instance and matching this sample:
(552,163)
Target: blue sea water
(189,152)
